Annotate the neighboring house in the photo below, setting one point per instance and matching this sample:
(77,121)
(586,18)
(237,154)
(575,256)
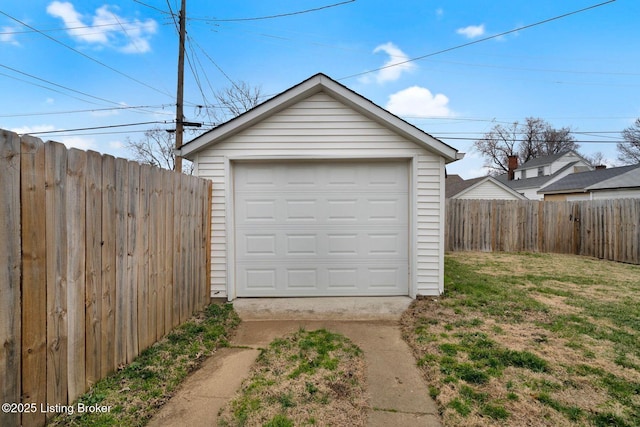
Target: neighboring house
(613,183)
(485,187)
(320,192)
(542,171)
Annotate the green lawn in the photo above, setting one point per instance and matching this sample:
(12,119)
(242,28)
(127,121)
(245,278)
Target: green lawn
(136,391)
(531,339)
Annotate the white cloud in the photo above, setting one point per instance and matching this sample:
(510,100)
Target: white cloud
(7,35)
(70,142)
(116,145)
(78,142)
(105,28)
(472,31)
(391,72)
(418,101)
(33,129)
(439,12)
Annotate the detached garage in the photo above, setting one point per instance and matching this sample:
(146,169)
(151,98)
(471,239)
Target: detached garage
(320,192)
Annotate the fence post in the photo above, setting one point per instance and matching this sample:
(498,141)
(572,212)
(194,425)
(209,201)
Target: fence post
(575,215)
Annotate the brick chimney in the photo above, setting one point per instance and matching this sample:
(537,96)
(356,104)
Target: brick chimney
(512,166)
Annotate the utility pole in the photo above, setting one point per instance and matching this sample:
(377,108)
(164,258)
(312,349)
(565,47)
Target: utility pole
(180,94)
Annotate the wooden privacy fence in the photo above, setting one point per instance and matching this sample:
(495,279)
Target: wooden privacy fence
(99,258)
(607,229)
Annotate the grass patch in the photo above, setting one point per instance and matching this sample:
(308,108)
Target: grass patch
(299,379)
(136,391)
(520,338)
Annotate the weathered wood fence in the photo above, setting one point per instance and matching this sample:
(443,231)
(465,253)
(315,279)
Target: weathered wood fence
(607,229)
(99,258)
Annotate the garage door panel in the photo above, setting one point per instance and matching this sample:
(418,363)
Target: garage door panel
(314,229)
(317,280)
(260,279)
(301,210)
(321,244)
(301,244)
(260,244)
(302,278)
(289,209)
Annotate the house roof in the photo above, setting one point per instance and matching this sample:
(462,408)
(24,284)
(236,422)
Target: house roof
(456,186)
(542,160)
(547,160)
(535,182)
(599,179)
(315,84)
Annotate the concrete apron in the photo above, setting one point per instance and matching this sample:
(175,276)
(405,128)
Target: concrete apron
(397,393)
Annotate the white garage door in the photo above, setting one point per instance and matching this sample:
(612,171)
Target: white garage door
(326,228)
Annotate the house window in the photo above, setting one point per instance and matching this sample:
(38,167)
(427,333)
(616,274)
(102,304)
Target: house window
(541,171)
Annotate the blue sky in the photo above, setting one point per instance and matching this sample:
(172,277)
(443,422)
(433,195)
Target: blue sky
(97,63)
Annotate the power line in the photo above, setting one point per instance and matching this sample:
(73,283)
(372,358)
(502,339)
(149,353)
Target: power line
(50,30)
(93,110)
(96,127)
(85,55)
(524,27)
(584,141)
(281,15)
(153,7)
(56,84)
(197,59)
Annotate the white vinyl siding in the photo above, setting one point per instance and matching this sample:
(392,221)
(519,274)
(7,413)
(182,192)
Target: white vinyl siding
(320,127)
(488,191)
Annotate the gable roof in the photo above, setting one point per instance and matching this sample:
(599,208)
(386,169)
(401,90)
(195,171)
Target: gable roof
(315,84)
(456,186)
(536,181)
(599,179)
(547,160)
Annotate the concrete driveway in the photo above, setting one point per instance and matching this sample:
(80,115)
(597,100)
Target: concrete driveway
(397,393)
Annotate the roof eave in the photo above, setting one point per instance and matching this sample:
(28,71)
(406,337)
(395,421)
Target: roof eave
(315,84)
(496,182)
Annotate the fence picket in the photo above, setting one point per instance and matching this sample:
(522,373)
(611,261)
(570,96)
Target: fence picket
(10,274)
(133,254)
(56,246)
(121,204)
(93,268)
(34,279)
(608,229)
(142,260)
(76,229)
(108,258)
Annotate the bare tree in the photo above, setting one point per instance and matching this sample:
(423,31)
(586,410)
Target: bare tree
(533,138)
(236,99)
(629,151)
(156,149)
(157,146)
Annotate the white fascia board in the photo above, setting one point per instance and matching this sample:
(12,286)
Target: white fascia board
(315,84)
(494,181)
(389,120)
(255,115)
